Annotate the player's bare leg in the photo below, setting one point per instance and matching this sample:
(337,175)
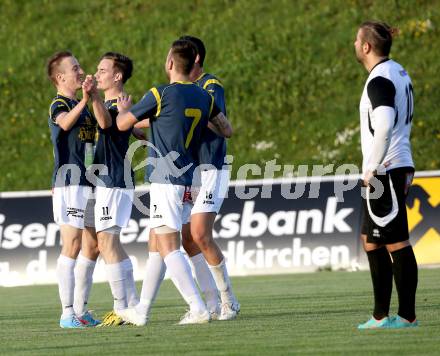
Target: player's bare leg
(202,272)
(189,245)
(201,232)
(89,243)
(110,247)
(71,239)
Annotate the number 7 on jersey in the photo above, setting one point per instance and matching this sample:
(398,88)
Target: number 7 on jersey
(195,114)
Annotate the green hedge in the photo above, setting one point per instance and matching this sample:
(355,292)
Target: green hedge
(292,82)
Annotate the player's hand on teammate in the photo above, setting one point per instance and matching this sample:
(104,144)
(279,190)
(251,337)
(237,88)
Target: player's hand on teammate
(124,103)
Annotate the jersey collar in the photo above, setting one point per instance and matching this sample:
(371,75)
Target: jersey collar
(112,101)
(380,62)
(66,97)
(200,77)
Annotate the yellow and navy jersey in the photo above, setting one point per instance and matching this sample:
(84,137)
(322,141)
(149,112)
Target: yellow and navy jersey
(178,113)
(213,147)
(111,147)
(69,147)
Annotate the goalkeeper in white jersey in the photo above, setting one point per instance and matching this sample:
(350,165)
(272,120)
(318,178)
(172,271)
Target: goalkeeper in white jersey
(386,113)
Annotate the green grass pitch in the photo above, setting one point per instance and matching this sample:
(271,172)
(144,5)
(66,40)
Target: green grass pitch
(314,313)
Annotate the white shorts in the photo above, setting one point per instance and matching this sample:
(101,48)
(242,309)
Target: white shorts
(170,205)
(112,207)
(69,205)
(209,197)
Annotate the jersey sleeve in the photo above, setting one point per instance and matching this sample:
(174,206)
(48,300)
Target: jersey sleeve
(381,92)
(57,107)
(215,110)
(215,88)
(148,107)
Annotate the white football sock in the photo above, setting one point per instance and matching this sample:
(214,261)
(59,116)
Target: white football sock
(116,279)
(180,272)
(176,284)
(83,283)
(154,274)
(205,281)
(130,285)
(66,284)
(221,277)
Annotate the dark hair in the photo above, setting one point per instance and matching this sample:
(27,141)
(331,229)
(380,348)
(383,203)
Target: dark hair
(198,43)
(53,62)
(379,35)
(184,54)
(122,63)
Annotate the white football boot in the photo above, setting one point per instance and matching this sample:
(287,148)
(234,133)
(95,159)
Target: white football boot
(215,312)
(229,311)
(130,315)
(195,318)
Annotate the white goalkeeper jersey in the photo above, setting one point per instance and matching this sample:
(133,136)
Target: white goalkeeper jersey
(388,85)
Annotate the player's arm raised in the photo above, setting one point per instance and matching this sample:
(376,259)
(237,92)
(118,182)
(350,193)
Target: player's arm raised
(101,113)
(147,107)
(66,120)
(125,119)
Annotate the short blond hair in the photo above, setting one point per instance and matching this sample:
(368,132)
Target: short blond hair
(54,62)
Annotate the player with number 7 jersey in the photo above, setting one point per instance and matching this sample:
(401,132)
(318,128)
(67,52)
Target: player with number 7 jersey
(177,112)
